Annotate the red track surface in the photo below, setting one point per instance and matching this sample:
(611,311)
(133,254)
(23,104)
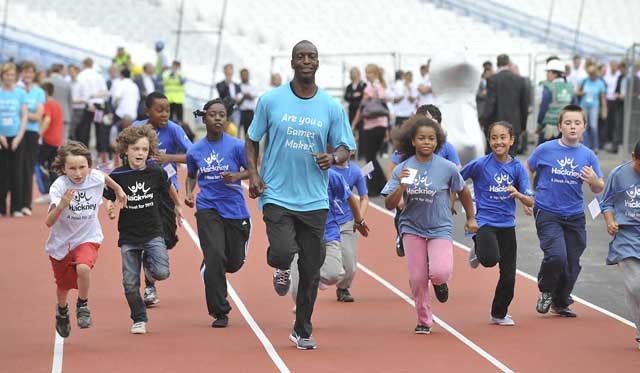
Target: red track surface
(373,334)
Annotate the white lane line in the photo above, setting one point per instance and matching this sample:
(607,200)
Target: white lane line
(532,278)
(277,360)
(497,363)
(58,353)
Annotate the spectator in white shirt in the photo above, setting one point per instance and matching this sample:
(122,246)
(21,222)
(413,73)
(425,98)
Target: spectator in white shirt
(247,102)
(405,96)
(92,90)
(78,103)
(424,88)
(610,79)
(126,96)
(578,74)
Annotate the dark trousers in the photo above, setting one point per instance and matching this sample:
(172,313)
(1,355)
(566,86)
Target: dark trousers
(617,112)
(46,156)
(29,160)
(494,245)
(246,116)
(372,140)
(224,246)
(176,112)
(11,177)
(563,240)
(83,130)
(301,232)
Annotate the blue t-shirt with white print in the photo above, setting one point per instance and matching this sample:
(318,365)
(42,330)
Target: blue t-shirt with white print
(495,207)
(171,140)
(10,110)
(622,197)
(338,192)
(427,211)
(205,161)
(294,128)
(34,97)
(446,151)
(354,178)
(559,189)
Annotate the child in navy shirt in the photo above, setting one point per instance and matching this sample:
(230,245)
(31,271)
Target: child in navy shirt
(621,206)
(215,163)
(498,180)
(426,222)
(563,165)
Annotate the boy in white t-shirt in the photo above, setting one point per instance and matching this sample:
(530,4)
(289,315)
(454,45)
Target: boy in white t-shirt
(75,233)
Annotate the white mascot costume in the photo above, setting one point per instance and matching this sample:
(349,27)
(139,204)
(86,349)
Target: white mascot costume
(455,81)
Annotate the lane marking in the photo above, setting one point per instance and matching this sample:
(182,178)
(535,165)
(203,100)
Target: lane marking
(277,360)
(532,278)
(58,353)
(497,363)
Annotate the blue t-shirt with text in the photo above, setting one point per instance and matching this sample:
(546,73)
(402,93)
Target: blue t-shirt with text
(495,207)
(205,161)
(427,211)
(171,140)
(34,97)
(294,128)
(338,192)
(10,110)
(354,178)
(559,188)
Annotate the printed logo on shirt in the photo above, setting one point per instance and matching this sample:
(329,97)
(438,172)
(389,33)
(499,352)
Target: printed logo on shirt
(141,194)
(298,138)
(568,169)
(421,190)
(81,203)
(214,163)
(633,201)
(502,181)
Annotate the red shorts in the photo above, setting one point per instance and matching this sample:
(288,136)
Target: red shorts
(64,270)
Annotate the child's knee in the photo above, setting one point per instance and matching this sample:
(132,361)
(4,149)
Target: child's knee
(160,273)
(234,267)
(83,269)
(440,276)
(280,259)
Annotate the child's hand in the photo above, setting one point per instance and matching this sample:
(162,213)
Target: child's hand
(230,177)
(612,228)
(161,158)
(404,173)
(179,217)
(588,175)
(65,201)
(3,143)
(121,197)
(111,209)
(527,210)
(471,226)
(362,227)
(188,200)
(513,192)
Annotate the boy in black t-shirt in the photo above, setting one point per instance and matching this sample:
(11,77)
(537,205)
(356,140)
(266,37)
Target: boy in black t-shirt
(140,223)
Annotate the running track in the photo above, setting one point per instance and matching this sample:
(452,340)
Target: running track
(373,334)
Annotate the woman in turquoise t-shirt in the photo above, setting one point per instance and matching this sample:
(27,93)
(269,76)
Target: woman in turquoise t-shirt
(13,121)
(592,92)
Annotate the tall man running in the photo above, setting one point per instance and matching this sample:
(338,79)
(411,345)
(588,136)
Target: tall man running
(299,121)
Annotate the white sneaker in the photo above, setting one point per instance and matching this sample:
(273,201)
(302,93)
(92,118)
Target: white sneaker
(26,211)
(17,214)
(505,321)
(473,258)
(139,328)
(45,198)
(322,286)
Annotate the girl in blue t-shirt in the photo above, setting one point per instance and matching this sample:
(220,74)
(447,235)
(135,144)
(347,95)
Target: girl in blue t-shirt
(13,122)
(563,166)
(423,182)
(621,207)
(215,163)
(498,180)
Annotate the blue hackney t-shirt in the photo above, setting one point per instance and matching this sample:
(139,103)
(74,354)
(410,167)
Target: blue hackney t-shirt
(427,211)
(34,97)
(207,159)
(293,129)
(338,192)
(354,178)
(171,140)
(10,110)
(559,188)
(490,178)
(622,197)
(446,151)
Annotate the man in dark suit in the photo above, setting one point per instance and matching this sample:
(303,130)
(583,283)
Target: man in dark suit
(507,99)
(229,88)
(146,84)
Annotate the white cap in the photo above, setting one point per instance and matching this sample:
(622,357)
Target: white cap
(555,65)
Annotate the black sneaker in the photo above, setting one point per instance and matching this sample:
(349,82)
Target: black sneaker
(544,302)
(63,326)
(83,315)
(399,247)
(442,292)
(421,329)
(344,295)
(282,281)
(220,322)
(563,311)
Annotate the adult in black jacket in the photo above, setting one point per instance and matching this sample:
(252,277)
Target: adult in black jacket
(353,93)
(227,87)
(146,84)
(507,99)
